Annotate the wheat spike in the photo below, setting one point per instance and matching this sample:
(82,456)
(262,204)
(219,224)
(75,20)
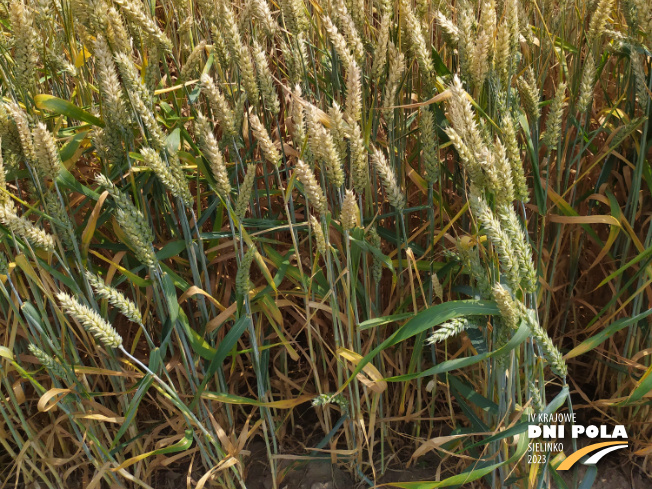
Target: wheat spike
(312,189)
(246,189)
(388,178)
(267,147)
(24,228)
(449,329)
(350,215)
(90,320)
(214,156)
(115,298)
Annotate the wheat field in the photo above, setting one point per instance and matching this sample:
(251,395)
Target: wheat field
(377,233)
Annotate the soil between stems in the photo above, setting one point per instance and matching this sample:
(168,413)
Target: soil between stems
(615,472)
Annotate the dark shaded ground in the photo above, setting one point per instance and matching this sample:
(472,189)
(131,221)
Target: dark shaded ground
(614,473)
(313,475)
(614,476)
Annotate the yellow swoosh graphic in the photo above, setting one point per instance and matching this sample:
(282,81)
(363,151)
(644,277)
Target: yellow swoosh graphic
(571,459)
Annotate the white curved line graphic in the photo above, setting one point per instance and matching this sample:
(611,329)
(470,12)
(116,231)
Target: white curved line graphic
(595,458)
